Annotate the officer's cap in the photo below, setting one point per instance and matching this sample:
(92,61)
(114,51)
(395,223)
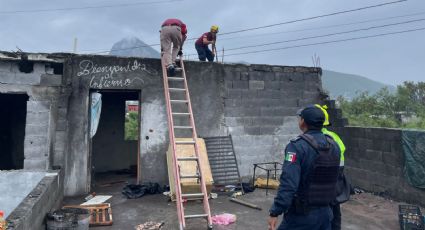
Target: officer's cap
(313,116)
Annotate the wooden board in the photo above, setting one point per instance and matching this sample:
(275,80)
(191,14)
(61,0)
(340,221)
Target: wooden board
(189,167)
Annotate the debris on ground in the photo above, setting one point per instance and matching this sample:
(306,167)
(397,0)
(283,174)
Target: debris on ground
(100,214)
(357,190)
(236,194)
(133,191)
(410,217)
(242,202)
(223,219)
(150,226)
(262,183)
(213,195)
(99,199)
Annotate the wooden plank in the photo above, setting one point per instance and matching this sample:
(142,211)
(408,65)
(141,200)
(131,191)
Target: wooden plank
(190,185)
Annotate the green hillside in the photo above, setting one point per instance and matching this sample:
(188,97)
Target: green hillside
(347,85)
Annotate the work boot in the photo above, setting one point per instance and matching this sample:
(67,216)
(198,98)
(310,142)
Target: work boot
(171,70)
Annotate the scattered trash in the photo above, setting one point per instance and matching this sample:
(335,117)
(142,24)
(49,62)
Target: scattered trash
(410,217)
(213,195)
(150,226)
(89,197)
(357,190)
(224,219)
(68,218)
(166,193)
(230,188)
(99,199)
(236,194)
(100,214)
(247,187)
(3,223)
(245,203)
(262,183)
(133,191)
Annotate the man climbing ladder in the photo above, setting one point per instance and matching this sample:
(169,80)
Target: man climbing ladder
(179,109)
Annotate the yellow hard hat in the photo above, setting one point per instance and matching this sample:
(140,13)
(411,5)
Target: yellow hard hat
(214,28)
(324,108)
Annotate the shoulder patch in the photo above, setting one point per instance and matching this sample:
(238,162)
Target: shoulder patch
(291,157)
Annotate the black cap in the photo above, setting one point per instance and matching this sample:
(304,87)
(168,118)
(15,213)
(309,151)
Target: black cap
(312,116)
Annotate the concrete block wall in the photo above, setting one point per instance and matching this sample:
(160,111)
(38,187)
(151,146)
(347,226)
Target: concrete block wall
(374,162)
(260,104)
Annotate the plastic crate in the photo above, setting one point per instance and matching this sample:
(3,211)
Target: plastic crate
(410,217)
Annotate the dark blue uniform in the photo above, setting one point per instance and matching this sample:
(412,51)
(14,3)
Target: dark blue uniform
(299,159)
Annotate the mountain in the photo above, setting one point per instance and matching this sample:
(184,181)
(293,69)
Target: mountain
(349,85)
(126,48)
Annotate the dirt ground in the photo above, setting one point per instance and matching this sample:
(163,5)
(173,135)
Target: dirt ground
(363,211)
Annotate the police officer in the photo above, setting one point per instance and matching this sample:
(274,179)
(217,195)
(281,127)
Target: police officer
(343,185)
(309,175)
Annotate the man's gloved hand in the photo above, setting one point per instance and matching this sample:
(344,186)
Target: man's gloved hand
(180,53)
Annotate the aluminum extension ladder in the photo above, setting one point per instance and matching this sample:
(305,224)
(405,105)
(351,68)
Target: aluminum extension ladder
(182,88)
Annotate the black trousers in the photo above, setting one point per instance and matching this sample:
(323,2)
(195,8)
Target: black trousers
(336,222)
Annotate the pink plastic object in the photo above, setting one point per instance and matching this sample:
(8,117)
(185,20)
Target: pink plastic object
(223,219)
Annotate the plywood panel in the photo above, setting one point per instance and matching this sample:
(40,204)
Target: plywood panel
(189,167)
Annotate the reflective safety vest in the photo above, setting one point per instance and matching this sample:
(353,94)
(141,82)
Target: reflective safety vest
(339,142)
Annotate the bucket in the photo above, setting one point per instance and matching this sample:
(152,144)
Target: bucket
(69,219)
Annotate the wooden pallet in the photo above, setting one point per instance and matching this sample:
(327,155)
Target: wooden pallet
(100,214)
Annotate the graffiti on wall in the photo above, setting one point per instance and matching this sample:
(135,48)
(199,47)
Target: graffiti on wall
(110,76)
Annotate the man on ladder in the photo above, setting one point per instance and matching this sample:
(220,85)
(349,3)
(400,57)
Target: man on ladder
(180,110)
(202,43)
(173,32)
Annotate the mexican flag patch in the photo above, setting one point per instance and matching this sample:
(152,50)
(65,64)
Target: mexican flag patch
(291,157)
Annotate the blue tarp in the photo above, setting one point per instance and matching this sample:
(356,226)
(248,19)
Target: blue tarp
(413,143)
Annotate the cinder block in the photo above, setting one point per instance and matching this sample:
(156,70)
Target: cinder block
(249,93)
(232,75)
(238,130)
(301,69)
(274,85)
(252,130)
(38,106)
(373,155)
(36,130)
(51,80)
(34,164)
(239,84)
(61,125)
(233,112)
(260,68)
(392,159)
(277,69)
(244,76)
(251,111)
(256,85)
(288,69)
(281,76)
(36,152)
(267,130)
(41,118)
(233,93)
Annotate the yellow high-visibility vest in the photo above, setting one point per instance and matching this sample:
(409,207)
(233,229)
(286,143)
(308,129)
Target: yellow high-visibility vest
(339,142)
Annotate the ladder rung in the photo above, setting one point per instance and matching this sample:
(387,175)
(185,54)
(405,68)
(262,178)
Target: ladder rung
(190,177)
(175,78)
(187,159)
(195,216)
(177,89)
(182,127)
(192,195)
(179,101)
(181,114)
(185,142)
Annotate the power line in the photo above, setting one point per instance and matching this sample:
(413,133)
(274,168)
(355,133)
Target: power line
(314,17)
(324,27)
(327,35)
(88,7)
(266,26)
(328,42)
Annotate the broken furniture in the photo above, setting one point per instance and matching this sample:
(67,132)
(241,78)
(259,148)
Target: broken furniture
(100,214)
(266,167)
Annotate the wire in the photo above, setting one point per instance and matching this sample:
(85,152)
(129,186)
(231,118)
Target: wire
(314,17)
(327,42)
(324,27)
(327,35)
(88,7)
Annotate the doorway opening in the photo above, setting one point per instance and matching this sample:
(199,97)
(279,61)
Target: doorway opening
(13,113)
(115,145)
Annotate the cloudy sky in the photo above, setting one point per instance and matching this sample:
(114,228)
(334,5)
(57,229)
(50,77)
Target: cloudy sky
(52,25)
